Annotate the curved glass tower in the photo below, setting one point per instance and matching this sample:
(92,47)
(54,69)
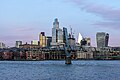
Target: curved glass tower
(57,33)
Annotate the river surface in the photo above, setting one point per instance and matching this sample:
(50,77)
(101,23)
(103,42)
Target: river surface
(57,70)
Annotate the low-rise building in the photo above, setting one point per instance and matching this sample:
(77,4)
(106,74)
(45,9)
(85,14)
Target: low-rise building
(84,53)
(2,45)
(18,43)
(29,46)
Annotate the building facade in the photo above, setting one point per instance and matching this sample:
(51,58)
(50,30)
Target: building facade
(102,39)
(42,39)
(88,41)
(49,40)
(29,46)
(84,53)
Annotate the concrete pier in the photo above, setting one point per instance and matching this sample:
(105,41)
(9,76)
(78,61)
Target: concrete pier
(68,60)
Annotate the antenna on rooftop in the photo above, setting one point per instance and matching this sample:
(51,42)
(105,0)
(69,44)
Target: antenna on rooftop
(71,33)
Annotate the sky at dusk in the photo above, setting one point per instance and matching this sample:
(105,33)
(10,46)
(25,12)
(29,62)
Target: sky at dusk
(25,19)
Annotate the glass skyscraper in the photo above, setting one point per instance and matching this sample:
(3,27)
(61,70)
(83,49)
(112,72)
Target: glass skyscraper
(102,39)
(57,33)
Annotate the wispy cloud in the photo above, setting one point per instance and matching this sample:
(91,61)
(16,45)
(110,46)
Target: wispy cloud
(110,15)
(108,24)
(107,13)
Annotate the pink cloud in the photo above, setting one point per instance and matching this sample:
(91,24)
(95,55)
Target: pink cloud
(107,13)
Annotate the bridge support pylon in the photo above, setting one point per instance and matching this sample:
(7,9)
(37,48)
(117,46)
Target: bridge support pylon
(68,60)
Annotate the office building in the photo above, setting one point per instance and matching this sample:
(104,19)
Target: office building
(102,39)
(57,34)
(29,46)
(49,40)
(42,39)
(18,43)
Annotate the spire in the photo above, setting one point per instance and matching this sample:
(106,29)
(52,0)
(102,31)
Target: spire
(71,34)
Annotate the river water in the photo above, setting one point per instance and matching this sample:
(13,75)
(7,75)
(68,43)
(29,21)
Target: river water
(57,70)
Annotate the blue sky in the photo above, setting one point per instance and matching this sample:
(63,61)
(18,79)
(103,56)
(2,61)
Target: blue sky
(25,19)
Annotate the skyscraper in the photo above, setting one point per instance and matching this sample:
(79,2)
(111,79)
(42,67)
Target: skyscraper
(102,39)
(79,38)
(42,39)
(57,34)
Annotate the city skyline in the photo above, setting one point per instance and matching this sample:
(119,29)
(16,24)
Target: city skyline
(25,19)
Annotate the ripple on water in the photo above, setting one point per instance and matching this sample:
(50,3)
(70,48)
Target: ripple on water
(57,70)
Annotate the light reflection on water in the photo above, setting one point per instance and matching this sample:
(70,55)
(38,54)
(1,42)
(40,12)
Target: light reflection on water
(57,70)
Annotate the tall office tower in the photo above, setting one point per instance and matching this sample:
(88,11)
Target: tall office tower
(42,39)
(102,39)
(2,45)
(18,43)
(79,38)
(57,33)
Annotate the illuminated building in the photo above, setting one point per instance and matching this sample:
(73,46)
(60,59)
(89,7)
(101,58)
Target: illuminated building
(42,39)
